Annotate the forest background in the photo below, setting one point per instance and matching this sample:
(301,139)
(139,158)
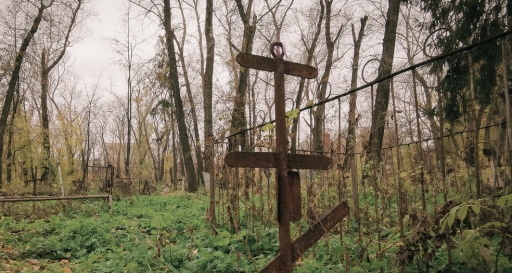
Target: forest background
(412,104)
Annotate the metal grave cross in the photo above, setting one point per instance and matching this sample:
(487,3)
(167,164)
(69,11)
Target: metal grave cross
(288,183)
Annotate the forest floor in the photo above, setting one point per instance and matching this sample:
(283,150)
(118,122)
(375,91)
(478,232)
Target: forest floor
(142,234)
(171,234)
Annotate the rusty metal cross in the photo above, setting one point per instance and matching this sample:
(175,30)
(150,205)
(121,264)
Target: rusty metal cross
(288,182)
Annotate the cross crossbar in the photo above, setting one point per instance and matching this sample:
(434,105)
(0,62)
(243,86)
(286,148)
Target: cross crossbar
(269,160)
(269,64)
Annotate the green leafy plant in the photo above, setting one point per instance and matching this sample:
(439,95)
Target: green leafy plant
(482,245)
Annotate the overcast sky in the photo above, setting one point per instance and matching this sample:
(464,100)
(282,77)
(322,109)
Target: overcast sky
(94,57)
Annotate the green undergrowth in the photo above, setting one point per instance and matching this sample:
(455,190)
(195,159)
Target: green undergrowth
(143,234)
(172,234)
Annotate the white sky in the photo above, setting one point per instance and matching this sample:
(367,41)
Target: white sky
(93,55)
(94,58)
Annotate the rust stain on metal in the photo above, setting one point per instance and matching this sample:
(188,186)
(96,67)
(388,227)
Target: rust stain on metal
(269,160)
(310,237)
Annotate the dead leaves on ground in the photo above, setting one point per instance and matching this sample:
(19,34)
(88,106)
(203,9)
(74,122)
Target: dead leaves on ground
(35,265)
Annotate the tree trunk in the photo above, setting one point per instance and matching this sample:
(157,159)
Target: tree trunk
(193,112)
(10,140)
(174,172)
(45,121)
(426,89)
(129,129)
(129,60)
(506,84)
(195,128)
(162,151)
(352,122)
(319,114)
(472,137)
(178,104)
(383,88)
(9,94)
(86,152)
(350,158)
(208,80)
(302,84)
(238,118)
(46,67)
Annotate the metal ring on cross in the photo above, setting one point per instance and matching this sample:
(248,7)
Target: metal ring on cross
(277,50)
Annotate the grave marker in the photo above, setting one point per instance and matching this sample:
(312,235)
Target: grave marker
(288,183)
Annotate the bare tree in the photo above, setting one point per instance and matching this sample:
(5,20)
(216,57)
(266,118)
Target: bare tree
(9,97)
(180,44)
(331,43)
(126,51)
(383,88)
(310,48)
(208,79)
(69,112)
(350,159)
(7,53)
(86,149)
(238,119)
(51,54)
(178,104)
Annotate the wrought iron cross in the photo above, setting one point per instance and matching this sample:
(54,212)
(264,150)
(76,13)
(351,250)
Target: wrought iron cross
(288,183)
